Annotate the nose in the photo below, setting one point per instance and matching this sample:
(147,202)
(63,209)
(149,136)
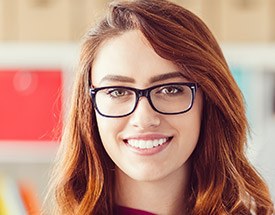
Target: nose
(144,116)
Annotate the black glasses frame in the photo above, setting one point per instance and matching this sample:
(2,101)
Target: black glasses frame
(146,93)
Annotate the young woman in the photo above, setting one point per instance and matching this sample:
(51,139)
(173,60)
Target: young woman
(157,123)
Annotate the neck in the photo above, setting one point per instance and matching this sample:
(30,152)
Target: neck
(163,196)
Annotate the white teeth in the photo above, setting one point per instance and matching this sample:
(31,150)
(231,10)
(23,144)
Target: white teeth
(147,144)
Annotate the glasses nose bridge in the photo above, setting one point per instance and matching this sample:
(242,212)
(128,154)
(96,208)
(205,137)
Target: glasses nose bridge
(145,93)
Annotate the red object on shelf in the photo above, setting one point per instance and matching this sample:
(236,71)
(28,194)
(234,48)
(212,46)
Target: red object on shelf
(30,104)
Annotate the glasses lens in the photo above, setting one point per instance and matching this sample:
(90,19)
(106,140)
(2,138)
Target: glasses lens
(116,101)
(172,98)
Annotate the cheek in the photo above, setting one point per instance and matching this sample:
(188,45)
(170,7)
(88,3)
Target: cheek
(188,127)
(188,130)
(187,139)
(108,129)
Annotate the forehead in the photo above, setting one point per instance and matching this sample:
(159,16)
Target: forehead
(129,55)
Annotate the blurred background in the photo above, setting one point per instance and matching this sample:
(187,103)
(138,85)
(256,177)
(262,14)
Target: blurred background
(39,46)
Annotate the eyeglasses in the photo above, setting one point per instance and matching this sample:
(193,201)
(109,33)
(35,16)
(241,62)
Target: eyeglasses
(119,101)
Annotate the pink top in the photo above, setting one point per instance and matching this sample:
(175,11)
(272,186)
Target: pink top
(120,210)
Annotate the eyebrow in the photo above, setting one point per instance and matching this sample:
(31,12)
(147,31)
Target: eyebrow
(166,76)
(157,78)
(118,78)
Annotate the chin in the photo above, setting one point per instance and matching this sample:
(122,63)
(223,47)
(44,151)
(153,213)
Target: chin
(149,176)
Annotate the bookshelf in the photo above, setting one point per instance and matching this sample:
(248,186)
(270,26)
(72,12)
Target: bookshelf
(29,161)
(255,75)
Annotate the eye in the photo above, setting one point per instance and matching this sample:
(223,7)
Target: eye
(118,92)
(171,90)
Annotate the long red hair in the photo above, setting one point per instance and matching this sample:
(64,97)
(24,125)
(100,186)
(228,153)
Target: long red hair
(222,180)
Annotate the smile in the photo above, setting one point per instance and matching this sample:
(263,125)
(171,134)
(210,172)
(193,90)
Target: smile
(147,144)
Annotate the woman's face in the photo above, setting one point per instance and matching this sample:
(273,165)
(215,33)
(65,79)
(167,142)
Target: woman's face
(129,60)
